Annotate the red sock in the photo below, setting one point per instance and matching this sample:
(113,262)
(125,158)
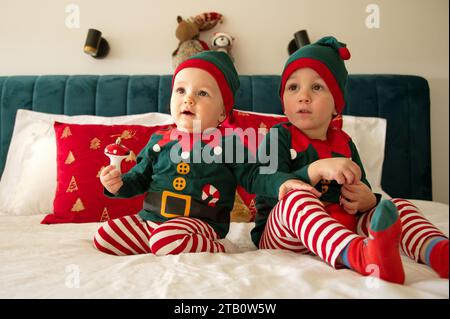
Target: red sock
(379,254)
(439,258)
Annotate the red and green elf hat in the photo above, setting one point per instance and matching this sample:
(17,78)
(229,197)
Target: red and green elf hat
(326,57)
(222,69)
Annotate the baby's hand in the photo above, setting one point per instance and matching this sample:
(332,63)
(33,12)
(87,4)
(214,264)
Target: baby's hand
(111,179)
(297,184)
(342,170)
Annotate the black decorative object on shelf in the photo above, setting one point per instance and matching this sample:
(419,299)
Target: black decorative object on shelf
(95,45)
(300,39)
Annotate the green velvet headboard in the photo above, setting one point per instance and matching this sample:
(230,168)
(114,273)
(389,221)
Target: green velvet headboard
(403,100)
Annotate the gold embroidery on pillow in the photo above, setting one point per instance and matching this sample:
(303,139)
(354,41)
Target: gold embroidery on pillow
(72,185)
(131,157)
(66,133)
(70,158)
(252,209)
(127,134)
(105,215)
(78,206)
(240,212)
(95,144)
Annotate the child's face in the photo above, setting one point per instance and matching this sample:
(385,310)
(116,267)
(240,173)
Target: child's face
(196,96)
(308,103)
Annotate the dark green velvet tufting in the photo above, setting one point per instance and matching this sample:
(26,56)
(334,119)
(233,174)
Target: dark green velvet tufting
(403,100)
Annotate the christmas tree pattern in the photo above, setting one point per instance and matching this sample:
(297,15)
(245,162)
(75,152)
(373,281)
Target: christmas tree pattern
(72,185)
(105,215)
(66,133)
(94,144)
(78,206)
(70,158)
(131,157)
(125,135)
(252,206)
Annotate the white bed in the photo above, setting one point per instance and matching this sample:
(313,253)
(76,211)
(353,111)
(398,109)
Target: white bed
(58,261)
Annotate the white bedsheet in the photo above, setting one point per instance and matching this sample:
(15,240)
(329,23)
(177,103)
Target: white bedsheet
(58,261)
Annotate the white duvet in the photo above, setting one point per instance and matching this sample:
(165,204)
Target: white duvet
(58,261)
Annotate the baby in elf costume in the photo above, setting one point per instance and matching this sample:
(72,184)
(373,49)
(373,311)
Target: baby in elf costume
(188,202)
(349,225)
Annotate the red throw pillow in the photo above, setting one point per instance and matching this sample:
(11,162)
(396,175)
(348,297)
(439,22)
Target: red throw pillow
(80,148)
(244,120)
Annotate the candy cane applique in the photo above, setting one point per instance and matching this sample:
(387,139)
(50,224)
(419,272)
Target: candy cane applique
(209,191)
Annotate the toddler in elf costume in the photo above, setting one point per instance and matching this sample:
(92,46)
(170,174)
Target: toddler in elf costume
(313,146)
(188,202)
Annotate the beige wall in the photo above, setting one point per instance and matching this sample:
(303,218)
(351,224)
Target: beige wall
(412,39)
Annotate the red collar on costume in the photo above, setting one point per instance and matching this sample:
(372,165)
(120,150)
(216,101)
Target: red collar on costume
(212,137)
(336,142)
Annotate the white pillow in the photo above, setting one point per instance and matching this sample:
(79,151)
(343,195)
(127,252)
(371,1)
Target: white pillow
(369,136)
(28,183)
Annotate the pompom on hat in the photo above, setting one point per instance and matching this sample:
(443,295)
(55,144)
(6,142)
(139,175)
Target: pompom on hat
(222,69)
(326,57)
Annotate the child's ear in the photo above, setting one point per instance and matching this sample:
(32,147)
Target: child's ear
(223,116)
(335,112)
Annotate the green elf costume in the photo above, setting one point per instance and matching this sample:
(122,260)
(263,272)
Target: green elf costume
(301,223)
(188,186)
(296,151)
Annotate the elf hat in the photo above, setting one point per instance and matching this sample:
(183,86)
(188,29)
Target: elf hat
(222,69)
(326,57)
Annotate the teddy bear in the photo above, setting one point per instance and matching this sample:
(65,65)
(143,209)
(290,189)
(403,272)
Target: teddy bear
(188,35)
(221,41)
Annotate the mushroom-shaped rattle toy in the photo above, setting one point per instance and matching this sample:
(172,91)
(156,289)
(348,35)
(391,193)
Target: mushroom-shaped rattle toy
(116,153)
